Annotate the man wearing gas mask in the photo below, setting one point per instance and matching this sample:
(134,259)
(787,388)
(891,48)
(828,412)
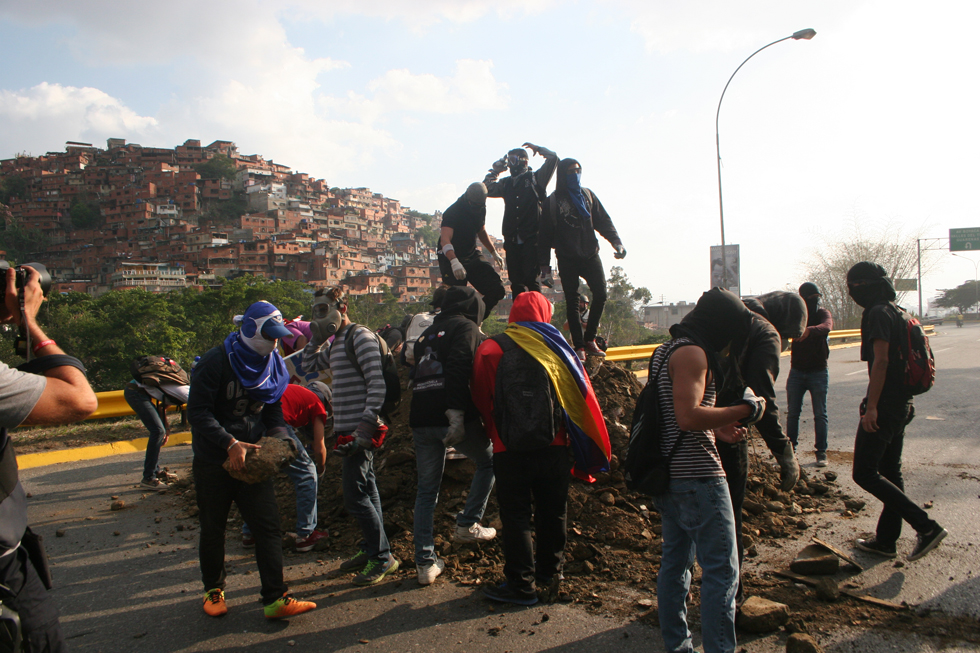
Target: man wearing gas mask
(523,193)
(571,217)
(235,400)
(358,395)
(459,260)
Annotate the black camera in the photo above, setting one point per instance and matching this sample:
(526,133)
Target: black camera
(22,277)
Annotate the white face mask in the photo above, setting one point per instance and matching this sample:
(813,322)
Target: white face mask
(260,345)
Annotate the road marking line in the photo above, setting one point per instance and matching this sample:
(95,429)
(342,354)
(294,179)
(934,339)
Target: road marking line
(853,373)
(936,351)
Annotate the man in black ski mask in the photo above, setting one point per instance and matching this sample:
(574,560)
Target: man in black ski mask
(808,372)
(523,193)
(886,410)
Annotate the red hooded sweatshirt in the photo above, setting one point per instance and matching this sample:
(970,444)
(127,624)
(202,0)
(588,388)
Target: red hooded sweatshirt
(528,307)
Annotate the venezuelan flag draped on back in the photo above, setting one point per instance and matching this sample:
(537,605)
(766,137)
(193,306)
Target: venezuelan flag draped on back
(586,428)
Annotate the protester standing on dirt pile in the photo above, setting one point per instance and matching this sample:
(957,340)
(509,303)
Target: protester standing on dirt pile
(523,193)
(696,512)
(808,372)
(149,402)
(572,215)
(536,402)
(776,316)
(443,415)
(234,401)
(459,260)
(301,408)
(886,410)
(357,400)
(51,389)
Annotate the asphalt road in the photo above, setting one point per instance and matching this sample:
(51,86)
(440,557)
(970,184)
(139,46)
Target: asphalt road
(139,590)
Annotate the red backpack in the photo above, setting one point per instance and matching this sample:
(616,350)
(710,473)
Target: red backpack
(914,351)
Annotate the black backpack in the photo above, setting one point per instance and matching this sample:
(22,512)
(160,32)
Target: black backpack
(389,369)
(526,410)
(915,354)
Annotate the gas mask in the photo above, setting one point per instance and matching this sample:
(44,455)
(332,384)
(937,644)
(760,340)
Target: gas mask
(516,164)
(326,318)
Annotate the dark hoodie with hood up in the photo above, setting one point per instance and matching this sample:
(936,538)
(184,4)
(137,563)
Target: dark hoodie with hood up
(564,229)
(528,307)
(444,360)
(775,316)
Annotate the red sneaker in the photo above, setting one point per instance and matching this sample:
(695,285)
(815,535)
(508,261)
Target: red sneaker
(309,542)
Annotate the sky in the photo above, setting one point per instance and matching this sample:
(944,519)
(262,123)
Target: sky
(872,123)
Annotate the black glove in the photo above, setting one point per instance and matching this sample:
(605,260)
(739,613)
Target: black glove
(756,403)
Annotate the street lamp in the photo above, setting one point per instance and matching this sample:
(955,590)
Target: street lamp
(976,288)
(804,34)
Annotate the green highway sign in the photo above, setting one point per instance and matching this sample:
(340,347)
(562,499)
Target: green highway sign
(964,240)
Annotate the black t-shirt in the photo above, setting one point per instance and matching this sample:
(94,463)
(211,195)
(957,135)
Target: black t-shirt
(466,222)
(880,323)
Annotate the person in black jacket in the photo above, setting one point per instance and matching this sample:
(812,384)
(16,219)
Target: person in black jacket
(776,317)
(523,193)
(459,259)
(443,415)
(235,400)
(572,216)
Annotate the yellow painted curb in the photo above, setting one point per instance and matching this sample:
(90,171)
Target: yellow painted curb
(43,458)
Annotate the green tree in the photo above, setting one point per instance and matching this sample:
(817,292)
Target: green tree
(430,235)
(217,167)
(620,324)
(962,297)
(85,213)
(20,243)
(12,187)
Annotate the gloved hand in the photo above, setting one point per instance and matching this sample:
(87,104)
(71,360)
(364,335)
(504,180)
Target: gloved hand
(456,431)
(620,251)
(545,278)
(756,403)
(458,270)
(789,467)
(499,165)
(362,439)
(497,259)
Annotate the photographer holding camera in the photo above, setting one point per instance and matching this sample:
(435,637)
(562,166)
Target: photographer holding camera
(49,389)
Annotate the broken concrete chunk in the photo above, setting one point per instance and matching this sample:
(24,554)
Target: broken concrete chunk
(827,590)
(759,615)
(854,505)
(815,560)
(117,505)
(264,462)
(802,643)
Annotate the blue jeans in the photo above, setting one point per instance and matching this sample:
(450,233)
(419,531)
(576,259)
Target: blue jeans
(142,405)
(797,385)
(303,473)
(696,517)
(362,501)
(430,459)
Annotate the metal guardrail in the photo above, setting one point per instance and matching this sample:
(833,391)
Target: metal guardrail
(113,404)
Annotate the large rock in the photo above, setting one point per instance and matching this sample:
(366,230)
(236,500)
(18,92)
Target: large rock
(759,615)
(815,560)
(802,643)
(827,589)
(264,462)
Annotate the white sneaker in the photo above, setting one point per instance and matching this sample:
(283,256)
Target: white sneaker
(428,573)
(475,533)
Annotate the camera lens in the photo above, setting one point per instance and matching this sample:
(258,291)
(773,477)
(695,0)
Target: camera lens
(22,276)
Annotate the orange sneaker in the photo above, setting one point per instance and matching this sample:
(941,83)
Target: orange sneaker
(287,606)
(214,603)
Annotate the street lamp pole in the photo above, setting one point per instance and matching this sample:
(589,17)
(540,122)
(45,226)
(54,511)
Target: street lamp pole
(976,288)
(805,34)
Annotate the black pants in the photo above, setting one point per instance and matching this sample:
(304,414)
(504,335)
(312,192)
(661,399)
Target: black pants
(735,461)
(878,469)
(570,268)
(532,481)
(480,275)
(216,489)
(38,616)
(522,265)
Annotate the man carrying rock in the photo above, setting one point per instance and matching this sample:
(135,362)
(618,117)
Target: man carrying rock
(808,372)
(234,401)
(523,193)
(886,410)
(358,394)
(443,415)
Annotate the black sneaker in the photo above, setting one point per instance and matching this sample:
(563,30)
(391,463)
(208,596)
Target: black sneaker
(504,594)
(357,563)
(375,572)
(872,545)
(926,542)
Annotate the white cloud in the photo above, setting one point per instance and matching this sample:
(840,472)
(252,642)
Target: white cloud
(49,112)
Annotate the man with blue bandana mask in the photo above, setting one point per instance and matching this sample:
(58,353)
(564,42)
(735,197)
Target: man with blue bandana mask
(570,219)
(234,401)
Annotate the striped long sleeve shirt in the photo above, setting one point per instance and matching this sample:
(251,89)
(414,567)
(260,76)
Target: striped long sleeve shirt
(355,397)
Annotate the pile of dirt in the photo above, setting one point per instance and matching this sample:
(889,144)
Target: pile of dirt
(614,544)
